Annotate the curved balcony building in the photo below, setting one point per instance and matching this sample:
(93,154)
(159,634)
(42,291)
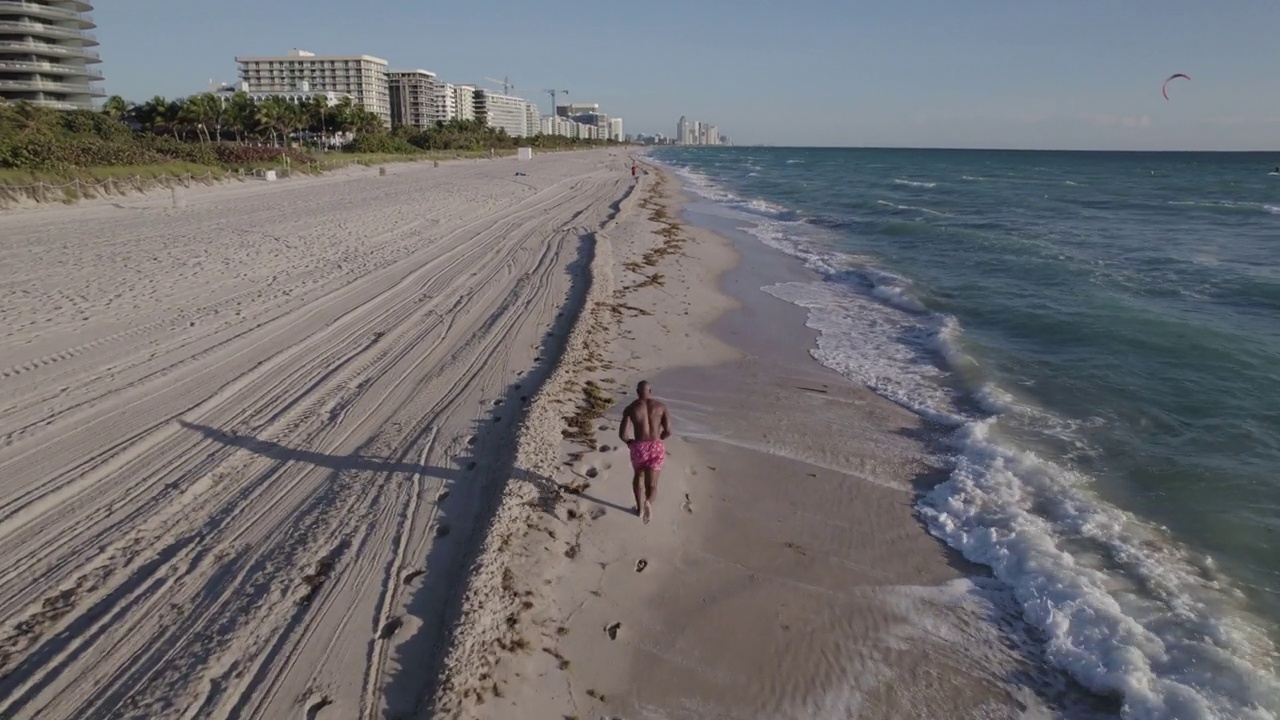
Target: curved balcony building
(45,53)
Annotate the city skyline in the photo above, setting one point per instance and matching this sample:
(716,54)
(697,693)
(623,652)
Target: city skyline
(921,73)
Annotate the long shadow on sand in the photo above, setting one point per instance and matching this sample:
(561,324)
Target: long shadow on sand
(355,462)
(434,587)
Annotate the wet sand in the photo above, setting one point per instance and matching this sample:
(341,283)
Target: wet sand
(785,574)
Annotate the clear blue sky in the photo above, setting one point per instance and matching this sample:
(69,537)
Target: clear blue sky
(919,73)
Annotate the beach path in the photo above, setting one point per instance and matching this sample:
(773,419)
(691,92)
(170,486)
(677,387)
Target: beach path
(245,438)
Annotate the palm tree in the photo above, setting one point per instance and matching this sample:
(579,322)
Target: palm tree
(116,107)
(150,114)
(319,108)
(344,114)
(31,120)
(363,121)
(203,112)
(278,115)
(242,115)
(296,119)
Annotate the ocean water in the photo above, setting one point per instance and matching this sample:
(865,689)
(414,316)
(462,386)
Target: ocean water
(1098,337)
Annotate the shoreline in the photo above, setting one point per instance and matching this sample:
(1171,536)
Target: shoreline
(719,618)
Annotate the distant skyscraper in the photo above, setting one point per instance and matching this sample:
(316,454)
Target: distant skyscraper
(683,131)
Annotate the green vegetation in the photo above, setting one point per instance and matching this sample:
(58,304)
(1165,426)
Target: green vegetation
(209,133)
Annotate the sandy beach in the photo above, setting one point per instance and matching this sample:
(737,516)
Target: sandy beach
(785,574)
(248,440)
(346,447)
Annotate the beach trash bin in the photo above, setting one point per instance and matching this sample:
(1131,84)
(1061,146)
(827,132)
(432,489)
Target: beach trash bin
(525,153)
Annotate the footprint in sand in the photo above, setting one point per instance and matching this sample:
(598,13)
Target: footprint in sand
(497,402)
(471,440)
(444,495)
(313,710)
(641,564)
(442,531)
(612,630)
(606,448)
(591,472)
(414,576)
(389,628)
(687,505)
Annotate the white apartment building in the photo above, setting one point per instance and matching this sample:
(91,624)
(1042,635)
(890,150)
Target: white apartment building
(44,54)
(615,129)
(417,99)
(565,127)
(464,101)
(363,77)
(504,112)
(447,100)
(532,120)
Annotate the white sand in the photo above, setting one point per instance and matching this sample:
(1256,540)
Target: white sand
(784,574)
(228,429)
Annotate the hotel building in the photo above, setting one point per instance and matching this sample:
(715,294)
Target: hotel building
(363,77)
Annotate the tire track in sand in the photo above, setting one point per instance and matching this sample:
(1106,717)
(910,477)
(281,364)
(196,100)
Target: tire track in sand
(176,554)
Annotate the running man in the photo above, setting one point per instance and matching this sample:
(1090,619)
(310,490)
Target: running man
(651,424)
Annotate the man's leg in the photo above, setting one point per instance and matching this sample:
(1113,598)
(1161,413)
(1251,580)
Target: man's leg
(637,487)
(651,491)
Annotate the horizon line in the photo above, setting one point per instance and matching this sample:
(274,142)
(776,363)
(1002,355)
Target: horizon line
(959,149)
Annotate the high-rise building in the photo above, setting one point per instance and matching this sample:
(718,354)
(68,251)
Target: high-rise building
(684,132)
(504,112)
(464,100)
(363,77)
(45,56)
(615,129)
(532,120)
(416,98)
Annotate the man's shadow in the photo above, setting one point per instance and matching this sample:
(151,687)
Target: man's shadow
(355,462)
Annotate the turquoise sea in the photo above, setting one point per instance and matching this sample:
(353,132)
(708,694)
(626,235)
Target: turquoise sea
(1097,335)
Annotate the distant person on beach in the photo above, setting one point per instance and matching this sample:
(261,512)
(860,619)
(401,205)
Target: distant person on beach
(651,424)
(633,168)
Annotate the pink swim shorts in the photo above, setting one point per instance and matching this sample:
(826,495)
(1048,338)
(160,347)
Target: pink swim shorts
(647,454)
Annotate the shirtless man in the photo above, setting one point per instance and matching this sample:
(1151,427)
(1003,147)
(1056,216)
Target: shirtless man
(651,424)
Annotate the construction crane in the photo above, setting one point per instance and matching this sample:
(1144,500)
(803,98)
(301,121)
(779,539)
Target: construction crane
(553,93)
(507,87)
